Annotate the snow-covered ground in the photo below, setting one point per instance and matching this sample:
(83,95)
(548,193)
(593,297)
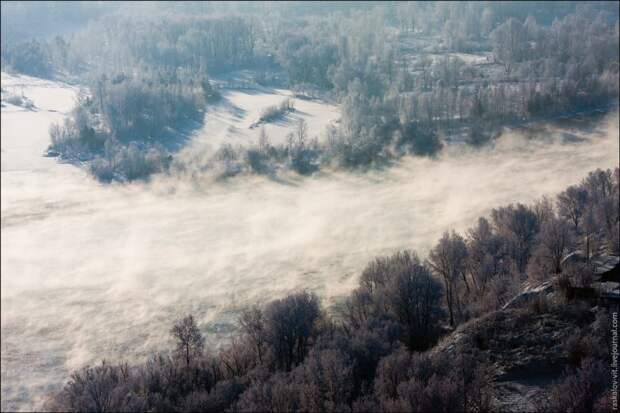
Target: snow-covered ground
(469,59)
(232,120)
(92,271)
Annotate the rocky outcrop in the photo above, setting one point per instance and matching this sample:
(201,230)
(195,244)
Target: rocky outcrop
(529,294)
(523,349)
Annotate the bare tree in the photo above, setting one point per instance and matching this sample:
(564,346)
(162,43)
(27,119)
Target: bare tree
(325,381)
(598,184)
(555,240)
(572,203)
(509,43)
(519,226)
(448,258)
(263,140)
(253,325)
(413,297)
(543,208)
(589,228)
(486,255)
(290,325)
(301,132)
(190,341)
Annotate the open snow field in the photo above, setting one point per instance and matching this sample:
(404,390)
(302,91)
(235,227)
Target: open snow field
(233,120)
(92,271)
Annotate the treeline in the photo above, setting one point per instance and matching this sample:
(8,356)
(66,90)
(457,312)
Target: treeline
(34,35)
(396,69)
(305,154)
(464,26)
(201,44)
(40,58)
(569,66)
(371,354)
(130,39)
(400,84)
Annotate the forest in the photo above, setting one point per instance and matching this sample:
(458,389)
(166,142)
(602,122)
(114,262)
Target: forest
(384,347)
(409,76)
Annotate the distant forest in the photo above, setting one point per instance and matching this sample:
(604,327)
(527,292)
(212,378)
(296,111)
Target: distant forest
(415,335)
(405,73)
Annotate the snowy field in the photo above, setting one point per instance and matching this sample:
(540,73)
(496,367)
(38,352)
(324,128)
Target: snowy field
(92,271)
(233,120)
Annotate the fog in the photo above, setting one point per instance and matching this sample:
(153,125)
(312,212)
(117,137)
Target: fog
(93,271)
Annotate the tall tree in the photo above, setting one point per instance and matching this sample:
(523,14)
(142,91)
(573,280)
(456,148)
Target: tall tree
(449,259)
(572,204)
(190,341)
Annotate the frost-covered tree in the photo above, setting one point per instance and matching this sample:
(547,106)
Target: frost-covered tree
(189,339)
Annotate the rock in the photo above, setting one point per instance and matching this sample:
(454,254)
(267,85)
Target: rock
(529,294)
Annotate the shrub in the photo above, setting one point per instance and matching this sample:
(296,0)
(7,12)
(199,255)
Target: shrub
(303,160)
(255,160)
(539,305)
(102,170)
(271,113)
(20,101)
(581,390)
(575,349)
(15,100)
(101,388)
(226,161)
(392,370)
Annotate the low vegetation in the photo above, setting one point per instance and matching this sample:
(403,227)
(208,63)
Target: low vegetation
(379,350)
(17,100)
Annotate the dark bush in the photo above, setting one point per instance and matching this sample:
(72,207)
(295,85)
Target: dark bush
(581,390)
(291,324)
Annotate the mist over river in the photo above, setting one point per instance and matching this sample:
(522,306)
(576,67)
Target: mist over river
(96,271)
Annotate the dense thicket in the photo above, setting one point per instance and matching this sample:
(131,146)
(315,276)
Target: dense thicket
(370,354)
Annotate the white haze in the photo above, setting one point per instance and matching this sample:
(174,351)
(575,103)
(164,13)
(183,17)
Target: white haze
(92,271)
